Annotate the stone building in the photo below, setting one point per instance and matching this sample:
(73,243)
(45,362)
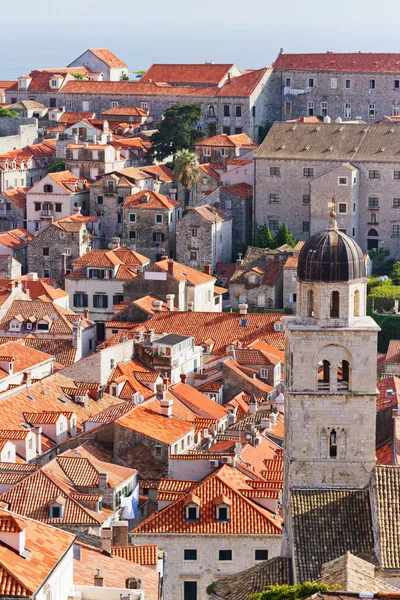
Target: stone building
(224,146)
(57,195)
(91,160)
(15,243)
(12,208)
(17,132)
(22,167)
(237,202)
(127,114)
(204,237)
(104,61)
(149,223)
(238,105)
(52,251)
(348,85)
(300,167)
(258,280)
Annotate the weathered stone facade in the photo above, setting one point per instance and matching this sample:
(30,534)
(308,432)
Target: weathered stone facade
(237,202)
(12,209)
(204,237)
(90,161)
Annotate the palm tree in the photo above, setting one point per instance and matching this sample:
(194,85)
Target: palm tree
(186,170)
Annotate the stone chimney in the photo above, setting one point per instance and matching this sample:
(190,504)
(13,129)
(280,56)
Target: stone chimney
(190,305)
(160,391)
(86,314)
(170,266)
(166,407)
(31,276)
(265,424)
(243,309)
(253,405)
(239,261)
(120,533)
(207,269)
(170,301)
(273,417)
(77,338)
(115,243)
(38,433)
(98,579)
(165,381)
(106,539)
(156,305)
(183,377)
(103,481)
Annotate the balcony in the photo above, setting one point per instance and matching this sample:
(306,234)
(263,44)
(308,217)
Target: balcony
(45,214)
(5,213)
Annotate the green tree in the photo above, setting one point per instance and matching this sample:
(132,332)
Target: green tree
(293,592)
(283,236)
(396,273)
(6,112)
(78,76)
(56,166)
(263,237)
(177,130)
(124,77)
(186,169)
(381,262)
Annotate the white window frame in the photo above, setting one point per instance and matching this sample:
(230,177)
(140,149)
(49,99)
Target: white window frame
(114,103)
(333,83)
(224,152)
(310,108)
(155,219)
(324,109)
(341,182)
(207,151)
(341,212)
(347,110)
(372,110)
(288,82)
(263,373)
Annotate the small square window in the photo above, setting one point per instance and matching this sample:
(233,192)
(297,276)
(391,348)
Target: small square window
(347,84)
(273,224)
(191,512)
(306,199)
(373,174)
(58,207)
(132,235)
(159,219)
(99,199)
(274,198)
(275,171)
(222,513)
(342,180)
(396,231)
(261,555)
(306,226)
(190,555)
(307,172)
(396,202)
(46,251)
(342,208)
(396,174)
(194,255)
(121,199)
(373,202)
(132,218)
(225,555)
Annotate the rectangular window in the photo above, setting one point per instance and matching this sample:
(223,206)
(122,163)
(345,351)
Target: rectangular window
(372,84)
(347,84)
(193,255)
(253,111)
(347,110)
(80,300)
(194,232)
(190,590)
(120,199)
(132,235)
(118,298)
(224,152)
(206,151)
(372,174)
(308,172)
(342,180)
(395,110)
(85,105)
(324,109)
(333,83)
(264,373)
(273,224)
(190,555)
(100,301)
(238,111)
(238,130)
(273,198)
(114,104)
(310,108)
(68,105)
(58,207)
(306,199)
(396,202)
(342,208)
(159,219)
(37,206)
(261,555)
(372,111)
(132,218)
(226,130)
(306,226)
(373,202)
(396,174)
(242,298)
(53,102)
(288,82)
(191,513)
(396,231)
(46,251)
(311,82)
(46,273)
(119,218)
(288,108)
(145,106)
(225,555)
(227,110)
(56,512)
(223,513)
(275,171)
(396,84)
(99,199)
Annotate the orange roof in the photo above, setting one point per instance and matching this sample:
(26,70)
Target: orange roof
(291,262)
(207,73)
(23,576)
(142,555)
(234,366)
(148,423)
(208,170)
(239,140)
(388,393)
(150,200)
(111,258)
(62,178)
(350,62)
(384,454)
(132,111)
(183,272)
(73,117)
(107,57)
(210,213)
(146,303)
(272,352)
(202,405)
(15,238)
(245,516)
(393,352)
(60,319)
(161,171)
(17,196)
(23,357)
(240,189)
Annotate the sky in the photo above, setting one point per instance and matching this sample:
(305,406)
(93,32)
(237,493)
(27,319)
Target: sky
(50,33)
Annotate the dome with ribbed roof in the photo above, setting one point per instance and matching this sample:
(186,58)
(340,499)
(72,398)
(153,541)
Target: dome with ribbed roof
(330,256)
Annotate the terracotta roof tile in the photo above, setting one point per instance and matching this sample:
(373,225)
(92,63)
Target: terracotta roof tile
(240,189)
(384,454)
(153,425)
(393,352)
(142,555)
(387,480)
(107,57)
(223,140)
(149,200)
(17,196)
(207,73)
(350,62)
(198,402)
(388,393)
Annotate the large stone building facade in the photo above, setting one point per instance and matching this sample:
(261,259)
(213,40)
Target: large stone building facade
(301,167)
(350,86)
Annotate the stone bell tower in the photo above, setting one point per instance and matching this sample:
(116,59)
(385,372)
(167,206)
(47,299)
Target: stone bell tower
(330,366)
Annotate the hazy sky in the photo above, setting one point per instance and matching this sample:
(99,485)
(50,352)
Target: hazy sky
(48,33)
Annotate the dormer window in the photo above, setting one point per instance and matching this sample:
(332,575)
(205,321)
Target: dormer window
(57,508)
(192,508)
(222,508)
(42,326)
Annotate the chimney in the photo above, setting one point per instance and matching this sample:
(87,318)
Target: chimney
(231,417)
(166,407)
(77,338)
(99,579)
(165,382)
(120,533)
(160,391)
(252,406)
(265,424)
(38,433)
(170,266)
(106,537)
(31,276)
(164,257)
(115,243)
(86,314)
(190,305)
(156,305)
(239,261)
(183,377)
(103,480)
(170,301)
(207,269)
(273,417)
(243,309)
(86,145)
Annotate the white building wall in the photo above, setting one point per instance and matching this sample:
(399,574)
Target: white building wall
(60,581)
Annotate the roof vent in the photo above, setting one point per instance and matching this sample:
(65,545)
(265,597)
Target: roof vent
(306,148)
(391,130)
(338,120)
(340,129)
(281,147)
(355,149)
(381,149)
(317,128)
(389,393)
(293,128)
(329,149)
(145,198)
(364,130)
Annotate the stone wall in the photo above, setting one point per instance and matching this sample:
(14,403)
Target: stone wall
(240,208)
(17,133)
(145,226)
(137,451)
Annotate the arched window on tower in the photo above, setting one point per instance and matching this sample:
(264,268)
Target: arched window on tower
(323,444)
(324,367)
(211,111)
(332,444)
(334,305)
(343,374)
(356,303)
(310,303)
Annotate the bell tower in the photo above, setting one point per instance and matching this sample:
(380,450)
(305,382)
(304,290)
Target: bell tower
(331,347)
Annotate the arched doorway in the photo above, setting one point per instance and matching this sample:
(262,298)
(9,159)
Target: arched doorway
(372,241)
